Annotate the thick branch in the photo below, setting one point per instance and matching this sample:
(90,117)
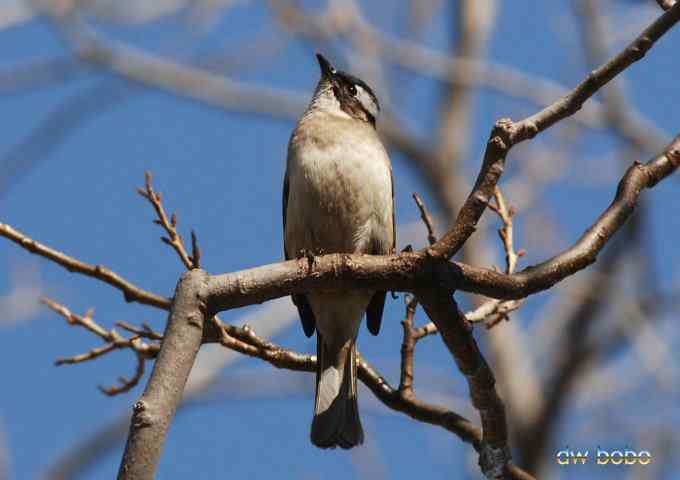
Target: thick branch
(154,411)
(404,272)
(456,332)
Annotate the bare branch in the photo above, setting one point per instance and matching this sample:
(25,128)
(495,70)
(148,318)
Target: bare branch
(506,133)
(404,272)
(38,74)
(145,332)
(407,348)
(153,412)
(195,251)
(115,341)
(456,332)
(131,292)
(174,239)
(427,219)
(126,384)
(494,311)
(55,127)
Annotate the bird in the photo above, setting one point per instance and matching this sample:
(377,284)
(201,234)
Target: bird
(338,197)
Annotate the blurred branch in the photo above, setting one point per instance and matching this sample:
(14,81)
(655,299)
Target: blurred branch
(471,34)
(4,452)
(38,74)
(52,130)
(666,4)
(152,70)
(350,23)
(73,112)
(617,110)
(574,354)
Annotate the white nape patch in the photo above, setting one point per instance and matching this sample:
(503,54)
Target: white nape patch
(367,101)
(329,388)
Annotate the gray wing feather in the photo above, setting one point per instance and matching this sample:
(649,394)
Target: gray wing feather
(374,311)
(300,300)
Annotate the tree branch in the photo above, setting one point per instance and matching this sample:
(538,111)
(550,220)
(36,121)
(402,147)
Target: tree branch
(507,134)
(131,292)
(115,341)
(174,239)
(154,411)
(404,272)
(456,332)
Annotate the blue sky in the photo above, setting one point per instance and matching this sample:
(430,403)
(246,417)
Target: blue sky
(222,173)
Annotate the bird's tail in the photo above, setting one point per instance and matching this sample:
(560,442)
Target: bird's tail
(336,412)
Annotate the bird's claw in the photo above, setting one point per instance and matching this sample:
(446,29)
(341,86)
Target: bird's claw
(309,255)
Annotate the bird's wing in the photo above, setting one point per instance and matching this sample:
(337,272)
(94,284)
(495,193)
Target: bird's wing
(300,300)
(374,311)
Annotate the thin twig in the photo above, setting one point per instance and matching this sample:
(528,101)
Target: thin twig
(174,239)
(494,311)
(427,219)
(407,347)
(126,384)
(145,332)
(115,341)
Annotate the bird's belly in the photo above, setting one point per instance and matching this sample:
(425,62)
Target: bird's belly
(339,205)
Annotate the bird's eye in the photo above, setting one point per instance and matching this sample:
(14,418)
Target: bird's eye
(352,90)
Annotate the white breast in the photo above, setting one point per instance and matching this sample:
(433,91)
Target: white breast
(340,188)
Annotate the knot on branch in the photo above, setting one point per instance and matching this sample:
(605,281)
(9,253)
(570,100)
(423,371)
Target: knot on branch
(673,156)
(640,47)
(501,134)
(492,461)
(140,415)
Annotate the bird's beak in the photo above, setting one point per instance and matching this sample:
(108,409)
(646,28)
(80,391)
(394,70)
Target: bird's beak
(327,69)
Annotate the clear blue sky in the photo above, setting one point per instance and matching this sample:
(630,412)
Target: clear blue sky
(222,173)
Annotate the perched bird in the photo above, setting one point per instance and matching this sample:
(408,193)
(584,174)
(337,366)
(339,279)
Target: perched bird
(338,197)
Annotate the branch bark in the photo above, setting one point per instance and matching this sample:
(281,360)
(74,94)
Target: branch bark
(456,332)
(154,411)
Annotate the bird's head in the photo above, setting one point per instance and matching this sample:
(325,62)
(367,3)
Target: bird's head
(345,93)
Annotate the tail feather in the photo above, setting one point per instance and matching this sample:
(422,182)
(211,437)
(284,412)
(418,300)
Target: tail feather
(336,412)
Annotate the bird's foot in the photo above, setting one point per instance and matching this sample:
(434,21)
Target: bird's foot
(309,255)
